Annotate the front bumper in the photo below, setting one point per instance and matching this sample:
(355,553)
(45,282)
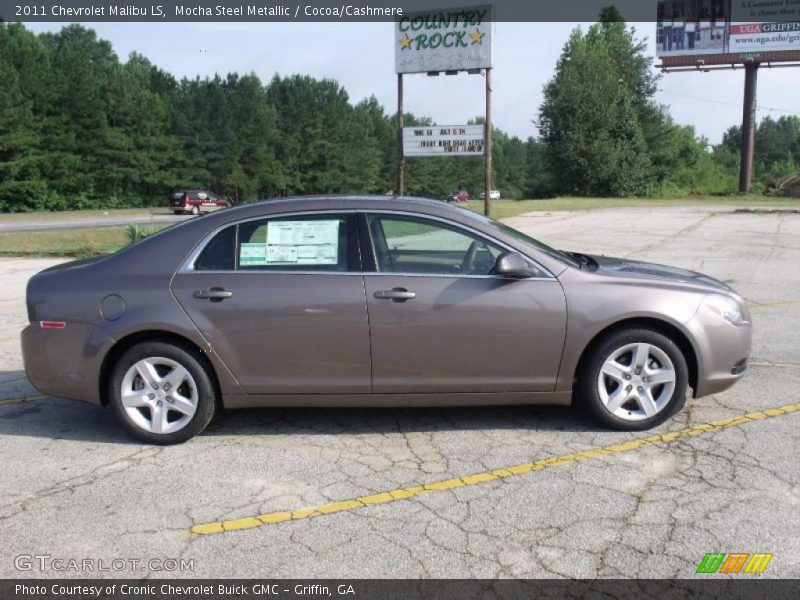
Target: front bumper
(723,351)
(65,362)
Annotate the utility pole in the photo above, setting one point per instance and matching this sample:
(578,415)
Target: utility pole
(748,127)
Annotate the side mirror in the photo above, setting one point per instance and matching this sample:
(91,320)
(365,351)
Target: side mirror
(514,265)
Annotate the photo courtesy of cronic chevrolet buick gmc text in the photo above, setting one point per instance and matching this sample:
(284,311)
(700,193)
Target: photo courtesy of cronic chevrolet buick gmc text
(360,301)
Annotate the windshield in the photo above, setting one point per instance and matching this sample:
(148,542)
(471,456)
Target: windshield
(516,234)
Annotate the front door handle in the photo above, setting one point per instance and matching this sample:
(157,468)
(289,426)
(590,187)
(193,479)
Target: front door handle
(215,294)
(395,295)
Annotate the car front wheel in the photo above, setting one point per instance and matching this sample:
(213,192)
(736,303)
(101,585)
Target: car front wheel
(161,393)
(633,380)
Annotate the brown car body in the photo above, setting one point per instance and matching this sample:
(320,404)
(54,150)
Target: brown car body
(324,339)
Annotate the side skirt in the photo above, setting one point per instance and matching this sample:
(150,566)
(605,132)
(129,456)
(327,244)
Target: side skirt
(396,400)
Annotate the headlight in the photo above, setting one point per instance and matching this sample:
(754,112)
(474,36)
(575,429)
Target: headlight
(728,308)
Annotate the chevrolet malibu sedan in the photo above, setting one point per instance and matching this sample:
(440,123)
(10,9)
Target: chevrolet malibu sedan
(373,301)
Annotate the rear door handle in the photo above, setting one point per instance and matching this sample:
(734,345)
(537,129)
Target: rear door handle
(214,294)
(395,295)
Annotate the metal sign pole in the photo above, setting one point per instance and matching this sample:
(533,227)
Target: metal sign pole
(748,127)
(400,157)
(487,148)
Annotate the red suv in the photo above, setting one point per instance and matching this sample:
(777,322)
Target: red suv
(196,202)
(460,196)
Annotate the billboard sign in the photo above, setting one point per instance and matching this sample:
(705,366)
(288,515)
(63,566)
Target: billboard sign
(446,39)
(725,31)
(765,27)
(692,27)
(443,140)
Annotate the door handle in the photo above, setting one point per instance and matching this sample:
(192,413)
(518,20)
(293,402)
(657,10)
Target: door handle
(395,295)
(214,294)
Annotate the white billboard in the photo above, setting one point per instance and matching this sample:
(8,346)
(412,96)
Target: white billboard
(707,27)
(443,140)
(772,26)
(447,39)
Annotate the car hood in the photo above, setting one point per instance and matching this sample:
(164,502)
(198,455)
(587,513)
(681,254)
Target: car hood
(623,267)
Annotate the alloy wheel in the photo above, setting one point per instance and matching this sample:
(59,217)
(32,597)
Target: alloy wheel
(636,381)
(159,395)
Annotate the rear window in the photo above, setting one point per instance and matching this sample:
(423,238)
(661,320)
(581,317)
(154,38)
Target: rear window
(177,195)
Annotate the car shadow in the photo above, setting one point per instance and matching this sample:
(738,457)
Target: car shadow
(58,418)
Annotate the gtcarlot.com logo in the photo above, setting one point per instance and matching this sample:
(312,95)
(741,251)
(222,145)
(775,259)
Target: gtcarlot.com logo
(46,562)
(734,563)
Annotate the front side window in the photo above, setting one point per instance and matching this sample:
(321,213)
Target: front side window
(421,246)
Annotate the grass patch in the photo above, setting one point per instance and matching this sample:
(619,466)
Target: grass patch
(77,215)
(503,209)
(79,243)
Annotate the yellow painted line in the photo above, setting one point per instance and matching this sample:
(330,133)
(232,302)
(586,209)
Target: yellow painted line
(479,478)
(779,365)
(21,400)
(774,304)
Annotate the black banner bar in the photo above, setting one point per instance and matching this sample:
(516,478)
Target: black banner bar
(711,587)
(327,10)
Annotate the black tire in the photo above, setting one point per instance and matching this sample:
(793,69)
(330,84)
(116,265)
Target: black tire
(588,394)
(206,391)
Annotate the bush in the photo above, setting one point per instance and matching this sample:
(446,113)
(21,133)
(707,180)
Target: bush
(136,233)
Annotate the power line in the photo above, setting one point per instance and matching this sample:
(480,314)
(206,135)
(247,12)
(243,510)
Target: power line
(728,103)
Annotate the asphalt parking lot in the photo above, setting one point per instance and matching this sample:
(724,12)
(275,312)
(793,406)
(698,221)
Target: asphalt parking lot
(511,492)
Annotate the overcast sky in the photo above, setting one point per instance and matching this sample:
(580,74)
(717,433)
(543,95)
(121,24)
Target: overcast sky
(361,58)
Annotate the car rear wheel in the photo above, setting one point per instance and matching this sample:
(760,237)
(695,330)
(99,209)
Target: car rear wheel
(195,210)
(633,380)
(161,393)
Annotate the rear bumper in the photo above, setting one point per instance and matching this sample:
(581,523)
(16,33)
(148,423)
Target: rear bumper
(65,362)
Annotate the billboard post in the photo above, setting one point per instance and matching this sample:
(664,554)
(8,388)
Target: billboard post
(401,161)
(748,128)
(487,148)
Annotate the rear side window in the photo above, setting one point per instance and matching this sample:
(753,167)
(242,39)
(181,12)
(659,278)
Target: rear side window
(303,243)
(300,243)
(219,254)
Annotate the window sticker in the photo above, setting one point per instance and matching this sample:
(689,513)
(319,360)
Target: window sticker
(302,243)
(253,255)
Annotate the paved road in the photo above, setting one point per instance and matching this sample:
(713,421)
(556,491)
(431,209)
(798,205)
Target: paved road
(605,504)
(9,226)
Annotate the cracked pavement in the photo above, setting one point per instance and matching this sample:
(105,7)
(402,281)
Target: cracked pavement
(75,486)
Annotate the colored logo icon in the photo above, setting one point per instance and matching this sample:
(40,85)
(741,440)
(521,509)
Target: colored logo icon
(734,563)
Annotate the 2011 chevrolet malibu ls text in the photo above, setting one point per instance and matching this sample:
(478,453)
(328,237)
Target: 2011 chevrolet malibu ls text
(362,301)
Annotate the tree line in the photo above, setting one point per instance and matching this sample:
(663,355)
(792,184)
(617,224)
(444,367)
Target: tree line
(81,129)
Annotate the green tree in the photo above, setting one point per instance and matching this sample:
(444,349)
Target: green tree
(21,187)
(589,119)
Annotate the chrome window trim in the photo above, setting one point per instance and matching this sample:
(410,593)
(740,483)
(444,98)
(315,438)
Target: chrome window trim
(188,264)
